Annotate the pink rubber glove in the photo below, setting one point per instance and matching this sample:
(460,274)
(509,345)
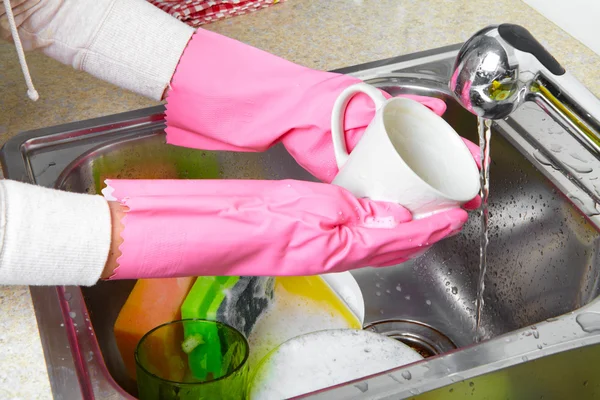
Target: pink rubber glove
(180,228)
(226,95)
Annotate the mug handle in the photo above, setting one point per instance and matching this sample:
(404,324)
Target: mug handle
(338,114)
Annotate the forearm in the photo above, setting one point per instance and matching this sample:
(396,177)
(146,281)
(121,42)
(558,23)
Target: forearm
(117,212)
(137,47)
(51,237)
(129,43)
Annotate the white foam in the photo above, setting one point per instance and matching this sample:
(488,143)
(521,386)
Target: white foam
(326,358)
(289,316)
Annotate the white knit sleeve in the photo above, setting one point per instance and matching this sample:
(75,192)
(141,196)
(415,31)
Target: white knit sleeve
(129,43)
(51,237)
(137,47)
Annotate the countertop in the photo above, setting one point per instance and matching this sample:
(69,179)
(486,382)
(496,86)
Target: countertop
(319,34)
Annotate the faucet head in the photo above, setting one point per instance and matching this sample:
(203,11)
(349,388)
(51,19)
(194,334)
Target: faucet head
(486,79)
(496,69)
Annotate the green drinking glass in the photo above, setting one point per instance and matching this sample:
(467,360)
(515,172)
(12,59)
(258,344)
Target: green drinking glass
(192,359)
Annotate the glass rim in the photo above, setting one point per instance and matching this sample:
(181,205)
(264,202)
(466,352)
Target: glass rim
(240,334)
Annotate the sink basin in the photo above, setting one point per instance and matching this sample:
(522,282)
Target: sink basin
(543,266)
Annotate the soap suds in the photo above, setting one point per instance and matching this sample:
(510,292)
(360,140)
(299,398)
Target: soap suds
(291,315)
(326,358)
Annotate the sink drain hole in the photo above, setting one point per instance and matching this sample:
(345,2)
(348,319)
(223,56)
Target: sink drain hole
(423,338)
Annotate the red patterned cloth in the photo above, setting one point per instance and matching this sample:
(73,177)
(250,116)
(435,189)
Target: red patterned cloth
(200,12)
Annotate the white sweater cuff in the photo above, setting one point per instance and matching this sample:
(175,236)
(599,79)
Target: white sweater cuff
(136,47)
(51,237)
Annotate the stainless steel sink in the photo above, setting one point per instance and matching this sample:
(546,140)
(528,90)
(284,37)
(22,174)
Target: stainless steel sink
(543,257)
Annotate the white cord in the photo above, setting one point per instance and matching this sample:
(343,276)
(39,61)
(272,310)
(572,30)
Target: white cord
(31,92)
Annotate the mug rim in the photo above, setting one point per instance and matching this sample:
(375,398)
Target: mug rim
(455,137)
(180,321)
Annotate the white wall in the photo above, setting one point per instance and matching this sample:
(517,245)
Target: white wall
(579,18)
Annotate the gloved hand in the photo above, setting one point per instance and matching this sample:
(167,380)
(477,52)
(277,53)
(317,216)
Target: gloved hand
(226,95)
(177,228)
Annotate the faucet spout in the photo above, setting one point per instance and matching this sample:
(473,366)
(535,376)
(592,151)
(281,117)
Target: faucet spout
(496,69)
(502,66)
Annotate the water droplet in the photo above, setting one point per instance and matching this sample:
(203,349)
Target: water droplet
(536,334)
(378,293)
(582,169)
(72,314)
(542,159)
(588,206)
(68,296)
(454,290)
(524,358)
(428,302)
(407,375)
(539,346)
(407,297)
(399,288)
(578,157)
(362,386)
(589,321)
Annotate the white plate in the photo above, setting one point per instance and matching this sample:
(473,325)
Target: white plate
(346,288)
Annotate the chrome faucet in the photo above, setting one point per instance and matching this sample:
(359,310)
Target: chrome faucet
(502,66)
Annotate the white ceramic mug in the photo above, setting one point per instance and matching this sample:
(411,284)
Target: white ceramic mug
(407,155)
